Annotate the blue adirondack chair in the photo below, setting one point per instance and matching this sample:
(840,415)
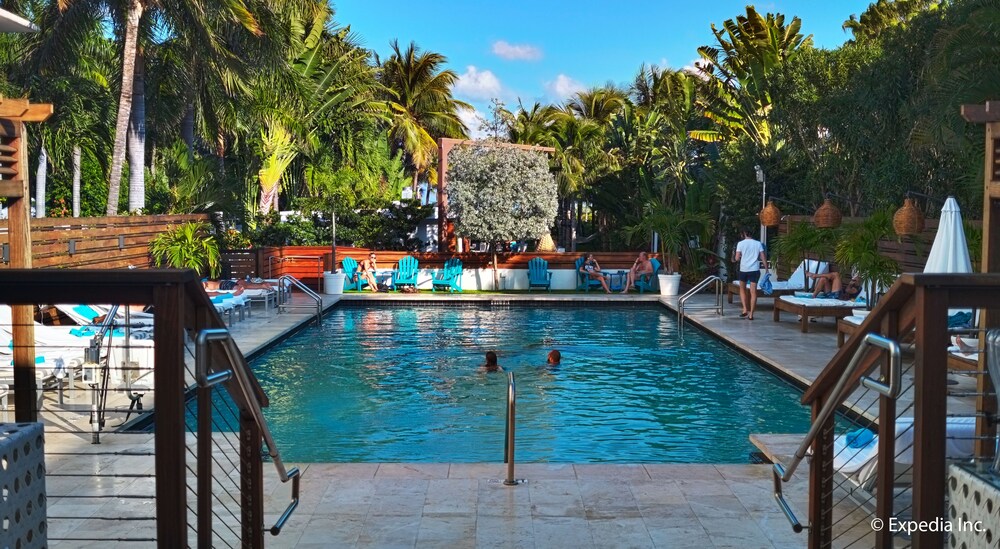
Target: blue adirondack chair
(584,282)
(450,277)
(539,275)
(405,273)
(646,281)
(353,280)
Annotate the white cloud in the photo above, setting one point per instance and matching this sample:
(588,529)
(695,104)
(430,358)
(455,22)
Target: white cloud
(696,68)
(563,87)
(522,52)
(478,84)
(474,121)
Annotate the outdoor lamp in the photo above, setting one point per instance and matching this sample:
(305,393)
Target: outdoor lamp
(908,219)
(828,215)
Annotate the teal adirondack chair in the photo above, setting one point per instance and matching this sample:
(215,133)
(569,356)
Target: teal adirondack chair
(353,281)
(539,275)
(645,282)
(405,273)
(584,282)
(450,277)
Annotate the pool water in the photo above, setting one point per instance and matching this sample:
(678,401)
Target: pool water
(402,384)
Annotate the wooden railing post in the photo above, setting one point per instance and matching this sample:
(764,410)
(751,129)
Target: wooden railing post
(251,482)
(930,407)
(821,482)
(886,472)
(168,376)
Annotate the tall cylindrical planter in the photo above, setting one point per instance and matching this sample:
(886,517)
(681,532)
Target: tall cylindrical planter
(670,284)
(333,283)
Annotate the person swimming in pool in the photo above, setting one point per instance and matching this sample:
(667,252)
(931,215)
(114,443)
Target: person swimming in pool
(491,363)
(554,358)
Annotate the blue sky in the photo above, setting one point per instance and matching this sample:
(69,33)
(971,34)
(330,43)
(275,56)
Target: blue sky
(545,50)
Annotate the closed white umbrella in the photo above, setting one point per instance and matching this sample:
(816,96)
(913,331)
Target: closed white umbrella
(950,252)
(14,23)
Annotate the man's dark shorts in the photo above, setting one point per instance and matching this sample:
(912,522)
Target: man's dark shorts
(750,278)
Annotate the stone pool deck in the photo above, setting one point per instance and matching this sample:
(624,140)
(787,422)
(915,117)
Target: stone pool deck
(558,505)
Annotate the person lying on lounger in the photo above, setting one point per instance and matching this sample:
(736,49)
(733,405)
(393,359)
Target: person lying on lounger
(227,285)
(829,285)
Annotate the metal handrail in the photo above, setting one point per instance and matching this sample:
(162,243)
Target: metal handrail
(206,380)
(508,446)
(892,390)
(682,300)
(306,290)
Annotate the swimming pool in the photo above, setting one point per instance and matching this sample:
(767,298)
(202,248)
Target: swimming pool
(401,384)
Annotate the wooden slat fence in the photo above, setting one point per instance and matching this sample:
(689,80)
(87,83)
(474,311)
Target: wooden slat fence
(96,242)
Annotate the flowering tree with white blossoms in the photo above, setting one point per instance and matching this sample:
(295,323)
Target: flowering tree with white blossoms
(500,194)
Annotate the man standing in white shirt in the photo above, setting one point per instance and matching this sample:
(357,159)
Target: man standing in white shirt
(749,254)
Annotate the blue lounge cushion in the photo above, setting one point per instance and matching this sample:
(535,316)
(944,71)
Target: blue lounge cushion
(859,438)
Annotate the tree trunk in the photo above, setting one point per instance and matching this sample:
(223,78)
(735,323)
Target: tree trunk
(187,127)
(135,8)
(137,138)
(416,175)
(40,176)
(496,275)
(77,154)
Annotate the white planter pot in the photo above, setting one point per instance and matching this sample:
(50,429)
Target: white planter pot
(333,283)
(670,284)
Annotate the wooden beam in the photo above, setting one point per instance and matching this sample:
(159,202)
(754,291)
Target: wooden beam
(981,114)
(24,111)
(12,188)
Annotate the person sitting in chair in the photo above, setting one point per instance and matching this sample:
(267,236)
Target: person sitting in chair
(642,267)
(366,270)
(592,269)
(829,285)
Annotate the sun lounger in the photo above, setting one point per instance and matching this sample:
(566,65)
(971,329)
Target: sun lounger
(807,307)
(796,281)
(859,464)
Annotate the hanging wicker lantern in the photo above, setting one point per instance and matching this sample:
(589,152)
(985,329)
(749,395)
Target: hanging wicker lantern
(545,244)
(827,216)
(908,220)
(770,216)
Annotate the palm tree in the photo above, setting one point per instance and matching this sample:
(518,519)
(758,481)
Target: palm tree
(885,14)
(532,127)
(597,104)
(423,109)
(175,17)
(739,74)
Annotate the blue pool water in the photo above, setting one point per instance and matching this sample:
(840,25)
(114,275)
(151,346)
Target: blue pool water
(401,384)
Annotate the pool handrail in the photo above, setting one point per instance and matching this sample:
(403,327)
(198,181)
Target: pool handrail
(508,447)
(306,290)
(682,300)
(205,381)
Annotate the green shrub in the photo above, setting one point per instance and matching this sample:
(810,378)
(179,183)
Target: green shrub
(189,246)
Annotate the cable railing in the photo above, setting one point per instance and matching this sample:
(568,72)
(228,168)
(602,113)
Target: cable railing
(317,300)
(148,479)
(906,433)
(781,473)
(206,380)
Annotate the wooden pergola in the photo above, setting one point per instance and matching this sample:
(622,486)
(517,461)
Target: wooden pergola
(446,236)
(988,114)
(14,114)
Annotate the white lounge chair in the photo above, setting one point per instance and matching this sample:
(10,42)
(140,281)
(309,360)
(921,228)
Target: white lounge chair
(860,464)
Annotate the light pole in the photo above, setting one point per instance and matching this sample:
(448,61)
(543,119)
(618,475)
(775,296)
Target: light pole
(763,200)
